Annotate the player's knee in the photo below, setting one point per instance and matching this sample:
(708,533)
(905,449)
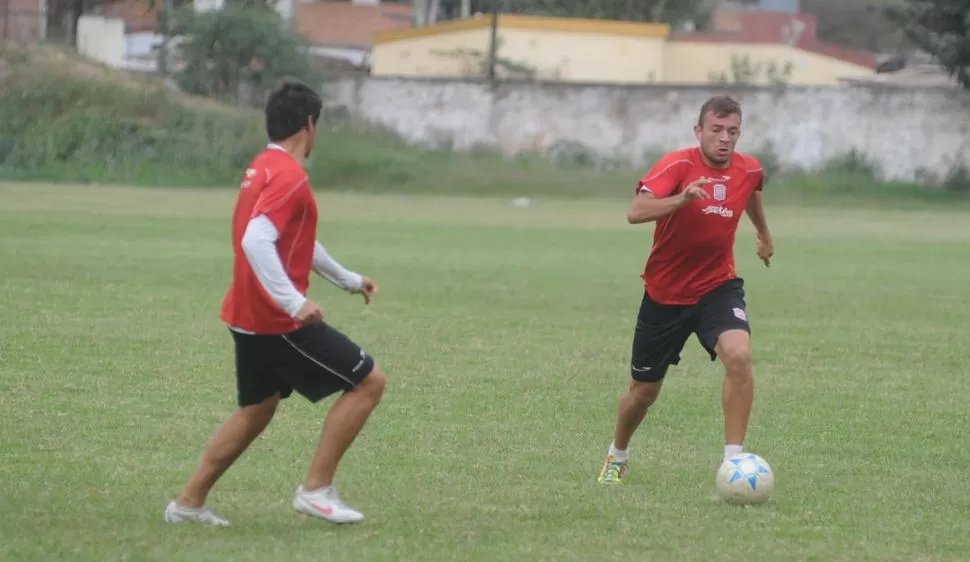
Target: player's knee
(374,384)
(737,360)
(734,349)
(645,393)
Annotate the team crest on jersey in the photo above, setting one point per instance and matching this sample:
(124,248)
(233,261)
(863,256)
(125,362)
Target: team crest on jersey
(720,192)
(248,180)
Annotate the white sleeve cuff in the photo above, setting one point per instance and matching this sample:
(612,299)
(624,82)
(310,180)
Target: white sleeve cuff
(329,269)
(259,245)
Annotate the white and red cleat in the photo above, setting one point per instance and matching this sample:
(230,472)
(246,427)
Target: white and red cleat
(325,503)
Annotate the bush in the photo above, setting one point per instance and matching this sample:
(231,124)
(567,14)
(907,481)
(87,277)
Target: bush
(77,128)
(958,180)
(64,119)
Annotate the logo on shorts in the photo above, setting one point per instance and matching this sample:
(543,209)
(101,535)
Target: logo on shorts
(363,358)
(740,314)
(720,192)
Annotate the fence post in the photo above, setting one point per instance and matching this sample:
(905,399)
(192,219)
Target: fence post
(6,21)
(42,5)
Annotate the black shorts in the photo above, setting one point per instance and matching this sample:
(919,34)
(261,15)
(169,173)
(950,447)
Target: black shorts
(317,360)
(663,330)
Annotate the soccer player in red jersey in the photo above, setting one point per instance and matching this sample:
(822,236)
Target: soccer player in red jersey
(696,196)
(281,340)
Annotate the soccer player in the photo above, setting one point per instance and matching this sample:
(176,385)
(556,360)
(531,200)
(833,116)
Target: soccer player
(281,340)
(696,197)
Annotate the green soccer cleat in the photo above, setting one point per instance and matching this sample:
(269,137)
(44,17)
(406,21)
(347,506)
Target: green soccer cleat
(613,471)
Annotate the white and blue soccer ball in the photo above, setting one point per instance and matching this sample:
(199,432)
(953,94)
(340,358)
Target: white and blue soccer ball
(745,479)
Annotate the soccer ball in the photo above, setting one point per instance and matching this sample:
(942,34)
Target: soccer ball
(745,479)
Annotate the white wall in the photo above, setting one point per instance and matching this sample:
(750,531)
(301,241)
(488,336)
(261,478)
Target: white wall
(102,39)
(906,133)
(207,5)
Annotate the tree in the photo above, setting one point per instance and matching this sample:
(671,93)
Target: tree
(857,24)
(238,52)
(942,29)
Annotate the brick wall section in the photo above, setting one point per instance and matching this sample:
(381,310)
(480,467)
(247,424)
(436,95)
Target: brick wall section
(137,16)
(20,21)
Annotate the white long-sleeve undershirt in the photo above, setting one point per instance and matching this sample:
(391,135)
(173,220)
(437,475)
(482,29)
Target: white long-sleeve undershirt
(259,245)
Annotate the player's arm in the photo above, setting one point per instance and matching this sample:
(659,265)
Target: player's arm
(259,245)
(657,192)
(328,268)
(756,212)
(648,207)
(755,209)
(331,270)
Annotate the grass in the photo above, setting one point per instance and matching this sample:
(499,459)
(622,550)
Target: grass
(505,332)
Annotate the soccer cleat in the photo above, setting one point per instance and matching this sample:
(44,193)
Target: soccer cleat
(613,471)
(325,504)
(175,513)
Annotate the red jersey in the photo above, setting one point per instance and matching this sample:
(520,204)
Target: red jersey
(693,247)
(275,185)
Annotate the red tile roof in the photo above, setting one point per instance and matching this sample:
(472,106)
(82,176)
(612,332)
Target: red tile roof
(798,30)
(136,13)
(348,25)
(19,21)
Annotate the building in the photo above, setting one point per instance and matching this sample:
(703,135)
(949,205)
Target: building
(23,21)
(345,30)
(339,32)
(743,46)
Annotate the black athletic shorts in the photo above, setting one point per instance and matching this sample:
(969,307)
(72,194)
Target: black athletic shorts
(317,360)
(663,330)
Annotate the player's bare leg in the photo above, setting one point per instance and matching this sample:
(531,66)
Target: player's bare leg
(318,496)
(632,409)
(734,349)
(226,445)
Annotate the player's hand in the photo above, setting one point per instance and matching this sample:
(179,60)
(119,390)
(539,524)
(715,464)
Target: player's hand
(695,191)
(367,288)
(766,249)
(309,313)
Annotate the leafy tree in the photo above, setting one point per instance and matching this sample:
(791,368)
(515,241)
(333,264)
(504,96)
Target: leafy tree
(942,29)
(857,24)
(238,52)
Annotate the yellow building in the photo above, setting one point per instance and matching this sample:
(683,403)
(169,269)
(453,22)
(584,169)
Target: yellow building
(750,47)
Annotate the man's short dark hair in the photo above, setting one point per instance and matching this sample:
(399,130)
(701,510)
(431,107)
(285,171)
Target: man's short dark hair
(721,106)
(288,109)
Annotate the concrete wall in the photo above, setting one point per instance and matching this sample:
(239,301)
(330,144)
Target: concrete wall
(550,54)
(599,51)
(584,57)
(688,62)
(458,53)
(905,133)
(565,49)
(102,39)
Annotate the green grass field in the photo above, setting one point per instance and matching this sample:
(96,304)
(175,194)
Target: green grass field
(505,332)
